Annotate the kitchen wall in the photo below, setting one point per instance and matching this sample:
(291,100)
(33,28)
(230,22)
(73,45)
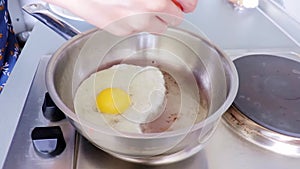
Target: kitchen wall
(291,7)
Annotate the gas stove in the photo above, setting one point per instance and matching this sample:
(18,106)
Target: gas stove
(45,139)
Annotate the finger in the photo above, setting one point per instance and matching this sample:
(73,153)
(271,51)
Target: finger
(145,22)
(170,20)
(160,6)
(118,30)
(188,5)
(154,25)
(173,15)
(119,27)
(178,4)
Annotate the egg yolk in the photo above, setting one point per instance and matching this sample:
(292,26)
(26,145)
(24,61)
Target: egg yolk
(112,101)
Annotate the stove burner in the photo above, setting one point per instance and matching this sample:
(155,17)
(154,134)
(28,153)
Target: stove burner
(269,92)
(266,110)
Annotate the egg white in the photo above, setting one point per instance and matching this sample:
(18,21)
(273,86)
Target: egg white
(145,86)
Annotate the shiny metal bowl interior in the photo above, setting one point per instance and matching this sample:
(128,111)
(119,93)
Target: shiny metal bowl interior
(214,72)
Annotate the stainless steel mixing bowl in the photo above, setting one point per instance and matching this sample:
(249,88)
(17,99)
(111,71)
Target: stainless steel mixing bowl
(214,72)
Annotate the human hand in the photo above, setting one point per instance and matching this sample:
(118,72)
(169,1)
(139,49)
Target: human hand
(123,17)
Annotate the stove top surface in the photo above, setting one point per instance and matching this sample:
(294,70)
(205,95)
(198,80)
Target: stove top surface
(28,151)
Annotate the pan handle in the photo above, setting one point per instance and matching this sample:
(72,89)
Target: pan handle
(43,14)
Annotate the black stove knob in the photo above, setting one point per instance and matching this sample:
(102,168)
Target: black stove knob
(50,110)
(48,141)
